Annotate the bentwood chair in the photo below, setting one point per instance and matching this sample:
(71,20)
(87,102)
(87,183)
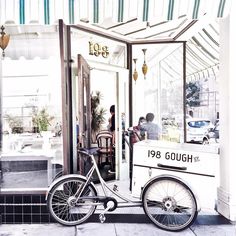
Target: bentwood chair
(105,148)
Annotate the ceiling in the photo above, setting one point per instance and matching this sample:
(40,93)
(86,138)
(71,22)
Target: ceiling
(138,21)
(202,46)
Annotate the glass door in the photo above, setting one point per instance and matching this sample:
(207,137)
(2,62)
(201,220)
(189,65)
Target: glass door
(81,110)
(112,84)
(83,127)
(123,124)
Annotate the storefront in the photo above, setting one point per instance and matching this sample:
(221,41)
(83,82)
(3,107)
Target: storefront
(40,137)
(68,64)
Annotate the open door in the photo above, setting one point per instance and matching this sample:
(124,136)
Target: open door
(83,115)
(112,82)
(115,81)
(66,98)
(81,112)
(122,147)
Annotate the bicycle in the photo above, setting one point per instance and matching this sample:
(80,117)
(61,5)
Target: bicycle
(167,200)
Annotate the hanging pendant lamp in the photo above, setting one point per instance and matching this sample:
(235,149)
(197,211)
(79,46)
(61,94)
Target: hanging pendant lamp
(135,74)
(4,40)
(144,67)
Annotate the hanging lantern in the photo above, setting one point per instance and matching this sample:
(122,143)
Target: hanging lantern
(144,67)
(4,40)
(135,74)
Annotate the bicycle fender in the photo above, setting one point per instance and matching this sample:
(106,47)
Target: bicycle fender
(62,178)
(175,178)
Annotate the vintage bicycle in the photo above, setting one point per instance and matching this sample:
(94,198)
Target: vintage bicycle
(167,200)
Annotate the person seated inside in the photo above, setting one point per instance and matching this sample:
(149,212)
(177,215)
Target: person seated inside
(152,130)
(136,130)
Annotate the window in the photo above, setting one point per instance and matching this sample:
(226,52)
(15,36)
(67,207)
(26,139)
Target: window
(31,154)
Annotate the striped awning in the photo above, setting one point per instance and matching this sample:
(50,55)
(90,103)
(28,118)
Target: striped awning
(133,19)
(158,10)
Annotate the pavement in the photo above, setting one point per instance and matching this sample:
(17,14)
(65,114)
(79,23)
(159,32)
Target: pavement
(112,229)
(125,222)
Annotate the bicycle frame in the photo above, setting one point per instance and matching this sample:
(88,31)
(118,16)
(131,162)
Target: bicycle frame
(126,201)
(174,208)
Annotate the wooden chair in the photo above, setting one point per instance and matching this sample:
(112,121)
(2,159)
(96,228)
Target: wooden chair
(105,147)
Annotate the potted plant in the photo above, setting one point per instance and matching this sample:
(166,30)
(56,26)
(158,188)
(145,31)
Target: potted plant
(97,114)
(41,119)
(15,124)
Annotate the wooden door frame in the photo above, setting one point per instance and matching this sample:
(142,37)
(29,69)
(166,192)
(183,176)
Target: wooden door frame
(66,85)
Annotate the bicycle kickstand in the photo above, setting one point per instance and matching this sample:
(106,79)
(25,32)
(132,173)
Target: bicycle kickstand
(102,217)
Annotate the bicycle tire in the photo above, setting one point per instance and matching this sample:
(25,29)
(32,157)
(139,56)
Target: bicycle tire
(61,202)
(169,203)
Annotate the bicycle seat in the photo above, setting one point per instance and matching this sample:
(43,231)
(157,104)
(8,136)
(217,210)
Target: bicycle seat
(89,151)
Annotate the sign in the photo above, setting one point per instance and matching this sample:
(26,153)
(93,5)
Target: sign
(172,156)
(97,49)
(199,159)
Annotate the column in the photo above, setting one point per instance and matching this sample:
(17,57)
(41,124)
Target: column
(226,202)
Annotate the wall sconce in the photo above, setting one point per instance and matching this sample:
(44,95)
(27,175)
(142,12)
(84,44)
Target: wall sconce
(144,67)
(135,74)
(4,40)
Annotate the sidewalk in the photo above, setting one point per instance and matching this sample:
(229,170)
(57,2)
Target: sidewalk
(112,229)
(124,222)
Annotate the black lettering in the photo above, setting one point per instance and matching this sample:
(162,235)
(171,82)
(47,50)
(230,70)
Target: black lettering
(158,154)
(184,158)
(172,156)
(178,157)
(190,158)
(167,156)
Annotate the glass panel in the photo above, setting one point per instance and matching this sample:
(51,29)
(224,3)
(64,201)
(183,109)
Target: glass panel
(31,154)
(96,48)
(159,89)
(101,54)
(106,96)
(171,68)
(103,97)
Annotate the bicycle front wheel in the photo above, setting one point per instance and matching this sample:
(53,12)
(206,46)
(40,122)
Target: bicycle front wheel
(169,203)
(63,205)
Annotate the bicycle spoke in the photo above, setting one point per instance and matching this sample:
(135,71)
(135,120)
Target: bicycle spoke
(63,204)
(169,204)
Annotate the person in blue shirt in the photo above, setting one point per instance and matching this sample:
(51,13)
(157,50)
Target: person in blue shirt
(152,130)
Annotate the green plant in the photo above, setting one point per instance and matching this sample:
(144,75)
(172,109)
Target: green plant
(15,123)
(193,94)
(41,119)
(97,114)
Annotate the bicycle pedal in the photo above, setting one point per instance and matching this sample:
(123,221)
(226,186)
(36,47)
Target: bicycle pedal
(115,188)
(102,218)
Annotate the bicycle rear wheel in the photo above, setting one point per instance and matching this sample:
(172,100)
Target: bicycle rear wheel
(62,204)
(169,203)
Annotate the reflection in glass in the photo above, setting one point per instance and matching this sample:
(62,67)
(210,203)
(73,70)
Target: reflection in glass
(162,93)
(31,154)
(172,95)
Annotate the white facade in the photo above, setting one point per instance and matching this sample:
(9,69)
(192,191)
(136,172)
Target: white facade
(10,15)
(227,190)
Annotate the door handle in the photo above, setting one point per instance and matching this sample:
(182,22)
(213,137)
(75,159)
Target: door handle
(172,167)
